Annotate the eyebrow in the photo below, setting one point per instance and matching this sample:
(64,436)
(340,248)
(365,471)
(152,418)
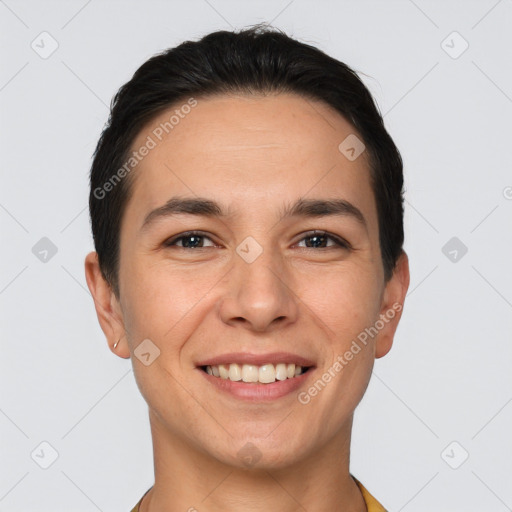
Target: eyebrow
(301,208)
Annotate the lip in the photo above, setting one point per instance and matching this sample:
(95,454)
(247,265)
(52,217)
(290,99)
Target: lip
(257,359)
(255,392)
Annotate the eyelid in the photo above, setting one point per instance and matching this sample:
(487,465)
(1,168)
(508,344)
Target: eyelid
(340,242)
(172,240)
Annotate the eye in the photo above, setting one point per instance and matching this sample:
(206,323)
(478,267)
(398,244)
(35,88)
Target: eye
(313,239)
(189,240)
(318,239)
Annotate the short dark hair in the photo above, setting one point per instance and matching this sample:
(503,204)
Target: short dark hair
(260,59)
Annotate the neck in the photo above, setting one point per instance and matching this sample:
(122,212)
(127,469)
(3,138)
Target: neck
(189,480)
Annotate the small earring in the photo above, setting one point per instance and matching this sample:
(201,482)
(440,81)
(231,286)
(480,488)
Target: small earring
(117,342)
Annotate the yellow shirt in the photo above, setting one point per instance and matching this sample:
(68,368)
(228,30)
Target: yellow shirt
(371,503)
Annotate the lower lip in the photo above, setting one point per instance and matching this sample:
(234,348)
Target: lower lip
(257,392)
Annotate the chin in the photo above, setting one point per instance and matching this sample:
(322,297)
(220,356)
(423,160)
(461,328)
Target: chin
(261,453)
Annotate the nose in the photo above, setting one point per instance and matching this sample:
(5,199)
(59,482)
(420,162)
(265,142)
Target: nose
(258,296)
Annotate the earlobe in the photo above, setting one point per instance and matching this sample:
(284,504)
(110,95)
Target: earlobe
(110,320)
(392,305)
(123,350)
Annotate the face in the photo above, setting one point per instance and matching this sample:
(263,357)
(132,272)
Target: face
(270,277)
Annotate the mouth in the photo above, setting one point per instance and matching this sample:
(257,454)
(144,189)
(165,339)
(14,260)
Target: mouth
(257,378)
(254,374)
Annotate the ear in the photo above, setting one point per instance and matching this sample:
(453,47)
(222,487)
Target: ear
(392,305)
(107,306)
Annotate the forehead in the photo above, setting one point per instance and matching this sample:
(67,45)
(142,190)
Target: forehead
(242,150)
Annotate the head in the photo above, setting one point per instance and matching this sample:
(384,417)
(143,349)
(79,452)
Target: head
(275,157)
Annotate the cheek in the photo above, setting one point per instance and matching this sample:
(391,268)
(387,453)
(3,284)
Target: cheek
(346,300)
(160,301)
(347,304)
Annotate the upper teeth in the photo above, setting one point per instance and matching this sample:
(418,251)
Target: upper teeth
(251,373)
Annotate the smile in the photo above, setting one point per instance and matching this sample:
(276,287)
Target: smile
(256,378)
(250,373)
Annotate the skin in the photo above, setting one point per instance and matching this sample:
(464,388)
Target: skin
(254,155)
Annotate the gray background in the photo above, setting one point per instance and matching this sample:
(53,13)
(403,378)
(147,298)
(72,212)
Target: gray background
(447,378)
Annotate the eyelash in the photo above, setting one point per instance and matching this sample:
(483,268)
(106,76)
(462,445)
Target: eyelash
(340,242)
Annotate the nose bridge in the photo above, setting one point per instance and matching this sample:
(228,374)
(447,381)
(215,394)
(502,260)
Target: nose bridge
(258,293)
